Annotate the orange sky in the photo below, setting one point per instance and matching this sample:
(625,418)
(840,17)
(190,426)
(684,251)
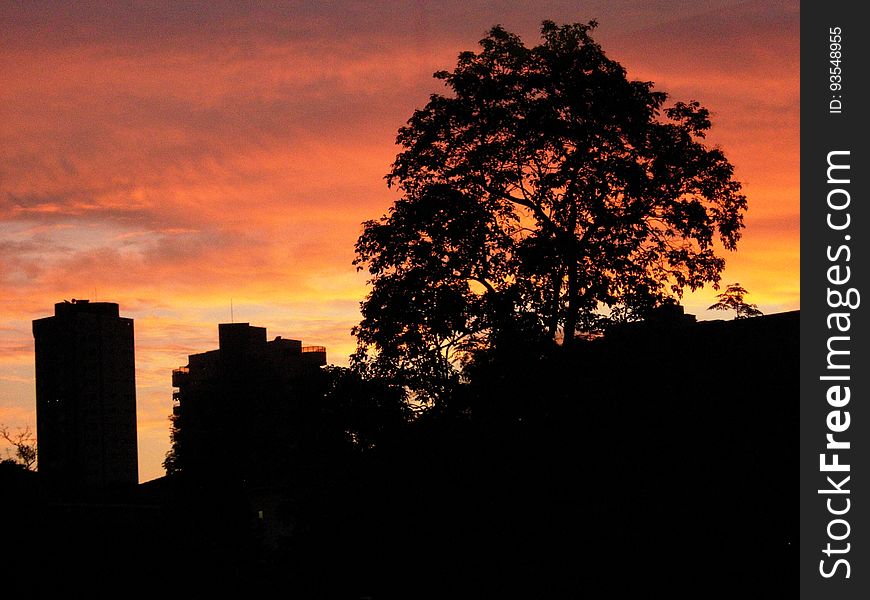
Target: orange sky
(172,156)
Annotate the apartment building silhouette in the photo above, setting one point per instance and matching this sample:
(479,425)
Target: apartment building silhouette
(236,408)
(86,397)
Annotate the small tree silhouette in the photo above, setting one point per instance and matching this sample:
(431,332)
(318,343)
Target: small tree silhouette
(24,444)
(732,299)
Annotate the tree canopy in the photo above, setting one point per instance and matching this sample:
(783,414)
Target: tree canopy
(544,193)
(732,299)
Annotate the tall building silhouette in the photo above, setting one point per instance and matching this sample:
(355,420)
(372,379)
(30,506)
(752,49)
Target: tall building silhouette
(86,397)
(237,408)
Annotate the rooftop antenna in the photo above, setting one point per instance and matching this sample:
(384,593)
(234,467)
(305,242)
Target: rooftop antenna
(232,317)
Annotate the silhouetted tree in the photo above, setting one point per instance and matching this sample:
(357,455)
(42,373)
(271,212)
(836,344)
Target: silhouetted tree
(24,445)
(545,191)
(732,299)
(171,461)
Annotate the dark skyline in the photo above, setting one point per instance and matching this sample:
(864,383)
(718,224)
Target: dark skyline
(333,485)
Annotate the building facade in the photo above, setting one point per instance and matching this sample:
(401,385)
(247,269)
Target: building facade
(86,397)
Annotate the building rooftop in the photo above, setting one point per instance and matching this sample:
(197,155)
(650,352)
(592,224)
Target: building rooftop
(70,307)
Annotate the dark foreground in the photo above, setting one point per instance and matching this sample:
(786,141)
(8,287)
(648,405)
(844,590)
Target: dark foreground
(661,459)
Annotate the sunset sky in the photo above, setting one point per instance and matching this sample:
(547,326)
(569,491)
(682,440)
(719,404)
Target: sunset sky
(175,157)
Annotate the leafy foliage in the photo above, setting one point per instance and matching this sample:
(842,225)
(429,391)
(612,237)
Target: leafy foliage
(732,299)
(545,192)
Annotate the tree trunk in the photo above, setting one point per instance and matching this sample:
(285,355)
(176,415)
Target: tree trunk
(571,254)
(556,290)
(572,308)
